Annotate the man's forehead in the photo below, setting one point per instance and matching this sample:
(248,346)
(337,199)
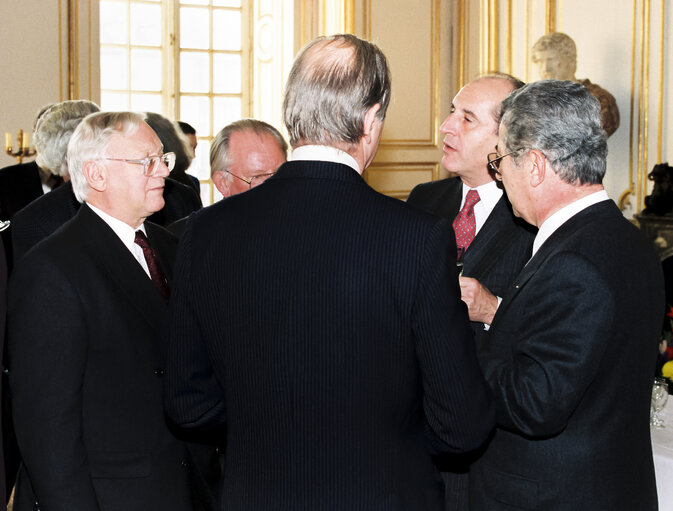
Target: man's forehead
(482,97)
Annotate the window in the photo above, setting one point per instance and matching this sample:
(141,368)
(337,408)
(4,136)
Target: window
(184,59)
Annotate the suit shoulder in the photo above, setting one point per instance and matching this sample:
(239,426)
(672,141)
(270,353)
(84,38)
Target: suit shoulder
(440,186)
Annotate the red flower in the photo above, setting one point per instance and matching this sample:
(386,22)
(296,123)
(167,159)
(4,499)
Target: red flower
(670,313)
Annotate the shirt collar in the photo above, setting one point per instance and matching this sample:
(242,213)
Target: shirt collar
(324,153)
(124,231)
(551,224)
(489,195)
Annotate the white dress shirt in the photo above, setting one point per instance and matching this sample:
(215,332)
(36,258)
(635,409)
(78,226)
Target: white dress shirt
(551,224)
(126,234)
(489,195)
(324,153)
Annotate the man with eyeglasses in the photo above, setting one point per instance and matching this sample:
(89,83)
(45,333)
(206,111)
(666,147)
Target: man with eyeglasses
(86,377)
(243,154)
(493,246)
(317,324)
(572,348)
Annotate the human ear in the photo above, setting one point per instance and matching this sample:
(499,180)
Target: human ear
(96,175)
(370,121)
(537,172)
(221,183)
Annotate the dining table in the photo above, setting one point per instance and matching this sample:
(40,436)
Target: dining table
(662,451)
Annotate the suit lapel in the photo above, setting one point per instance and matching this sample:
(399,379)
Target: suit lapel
(552,245)
(486,247)
(124,272)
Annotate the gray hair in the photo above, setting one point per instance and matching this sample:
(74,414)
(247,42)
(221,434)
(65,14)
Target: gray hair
(219,147)
(53,130)
(43,110)
(173,140)
(90,140)
(333,82)
(558,42)
(561,119)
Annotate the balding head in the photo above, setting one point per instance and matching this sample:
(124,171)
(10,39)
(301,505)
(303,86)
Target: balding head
(333,83)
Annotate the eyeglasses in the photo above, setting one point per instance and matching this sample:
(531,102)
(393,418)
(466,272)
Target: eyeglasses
(494,162)
(253,181)
(150,164)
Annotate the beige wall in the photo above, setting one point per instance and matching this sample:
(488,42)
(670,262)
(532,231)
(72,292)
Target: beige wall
(621,46)
(415,36)
(36,71)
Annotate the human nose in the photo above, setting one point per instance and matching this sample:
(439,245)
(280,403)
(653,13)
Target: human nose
(447,125)
(161,170)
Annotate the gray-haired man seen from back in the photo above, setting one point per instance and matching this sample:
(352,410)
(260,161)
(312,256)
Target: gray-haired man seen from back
(320,322)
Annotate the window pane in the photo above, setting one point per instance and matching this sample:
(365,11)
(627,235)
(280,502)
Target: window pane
(194,2)
(146,103)
(225,110)
(226,74)
(227,3)
(226,30)
(146,70)
(113,29)
(146,24)
(114,101)
(194,72)
(114,68)
(201,164)
(195,110)
(194,28)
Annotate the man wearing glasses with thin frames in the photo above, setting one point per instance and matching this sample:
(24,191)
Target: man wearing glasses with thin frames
(86,379)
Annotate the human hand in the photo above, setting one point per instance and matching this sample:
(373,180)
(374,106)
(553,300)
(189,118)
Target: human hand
(481,303)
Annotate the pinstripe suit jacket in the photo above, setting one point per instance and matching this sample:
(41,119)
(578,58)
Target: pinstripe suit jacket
(321,322)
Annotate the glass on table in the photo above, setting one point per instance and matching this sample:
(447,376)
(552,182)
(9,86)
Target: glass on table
(659,398)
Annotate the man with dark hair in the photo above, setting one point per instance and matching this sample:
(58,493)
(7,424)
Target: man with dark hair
(493,244)
(573,345)
(86,377)
(320,322)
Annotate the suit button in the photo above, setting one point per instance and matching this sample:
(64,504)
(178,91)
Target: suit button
(159,371)
(183,463)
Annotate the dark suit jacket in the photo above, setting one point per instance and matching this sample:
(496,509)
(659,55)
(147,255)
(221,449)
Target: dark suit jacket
(323,325)
(500,249)
(570,362)
(20,184)
(86,379)
(42,217)
(3,310)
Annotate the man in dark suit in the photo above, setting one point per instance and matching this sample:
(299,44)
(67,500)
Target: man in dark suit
(320,322)
(573,345)
(86,379)
(501,243)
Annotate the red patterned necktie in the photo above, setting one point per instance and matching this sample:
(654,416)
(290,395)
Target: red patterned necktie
(156,273)
(464,225)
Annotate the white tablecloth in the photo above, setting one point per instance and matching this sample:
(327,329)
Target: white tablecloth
(662,450)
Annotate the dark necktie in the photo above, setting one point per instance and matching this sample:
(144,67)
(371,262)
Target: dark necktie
(156,273)
(464,225)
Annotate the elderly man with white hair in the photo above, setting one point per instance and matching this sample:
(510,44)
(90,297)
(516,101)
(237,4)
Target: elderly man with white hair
(86,379)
